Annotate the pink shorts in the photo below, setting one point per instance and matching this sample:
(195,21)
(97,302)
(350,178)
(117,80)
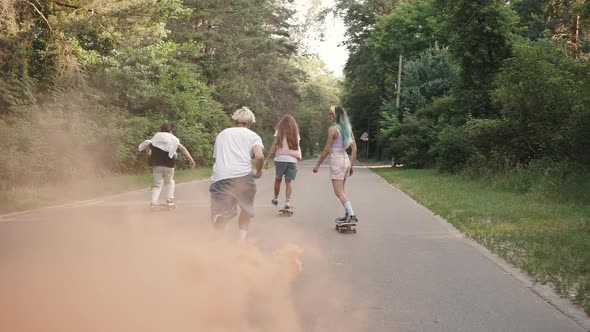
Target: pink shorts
(339,165)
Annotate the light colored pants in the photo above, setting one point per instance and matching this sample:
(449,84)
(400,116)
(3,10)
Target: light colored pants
(163,179)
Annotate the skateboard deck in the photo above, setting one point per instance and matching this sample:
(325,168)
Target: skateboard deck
(167,206)
(346,227)
(286,212)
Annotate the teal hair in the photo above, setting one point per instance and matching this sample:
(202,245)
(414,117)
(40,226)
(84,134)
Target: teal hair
(344,124)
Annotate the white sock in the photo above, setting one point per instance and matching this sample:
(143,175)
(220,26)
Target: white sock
(243,234)
(348,208)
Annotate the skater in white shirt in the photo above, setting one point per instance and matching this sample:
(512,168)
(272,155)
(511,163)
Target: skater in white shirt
(232,182)
(161,150)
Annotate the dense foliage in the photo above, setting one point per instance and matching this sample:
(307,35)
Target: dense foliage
(485,86)
(83,82)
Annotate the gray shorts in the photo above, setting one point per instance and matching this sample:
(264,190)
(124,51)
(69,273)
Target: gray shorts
(227,194)
(289,170)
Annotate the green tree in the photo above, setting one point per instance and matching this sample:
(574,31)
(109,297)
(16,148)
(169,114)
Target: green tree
(413,128)
(430,75)
(408,31)
(246,51)
(565,22)
(543,97)
(482,34)
(364,81)
(318,92)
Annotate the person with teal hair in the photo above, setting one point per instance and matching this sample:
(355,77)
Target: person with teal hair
(340,138)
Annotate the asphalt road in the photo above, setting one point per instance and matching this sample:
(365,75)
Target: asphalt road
(405,270)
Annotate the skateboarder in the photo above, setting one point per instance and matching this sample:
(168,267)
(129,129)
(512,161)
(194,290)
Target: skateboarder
(340,137)
(161,150)
(287,153)
(232,182)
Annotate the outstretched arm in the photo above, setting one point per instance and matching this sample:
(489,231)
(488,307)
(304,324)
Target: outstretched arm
(331,132)
(186,154)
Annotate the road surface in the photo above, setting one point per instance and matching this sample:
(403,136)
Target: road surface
(405,270)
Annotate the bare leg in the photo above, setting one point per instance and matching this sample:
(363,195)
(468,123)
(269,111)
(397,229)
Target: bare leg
(244,221)
(339,190)
(220,222)
(277,186)
(288,189)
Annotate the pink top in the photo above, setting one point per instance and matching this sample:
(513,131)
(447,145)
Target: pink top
(284,150)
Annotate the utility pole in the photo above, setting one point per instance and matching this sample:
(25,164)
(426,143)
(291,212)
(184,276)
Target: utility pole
(368,132)
(399,81)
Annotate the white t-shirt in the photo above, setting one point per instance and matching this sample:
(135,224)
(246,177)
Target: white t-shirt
(233,153)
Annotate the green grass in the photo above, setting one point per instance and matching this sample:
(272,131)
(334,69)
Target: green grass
(550,240)
(29,197)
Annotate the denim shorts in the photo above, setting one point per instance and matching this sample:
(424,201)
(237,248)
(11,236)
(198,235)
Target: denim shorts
(228,194)
(289,170)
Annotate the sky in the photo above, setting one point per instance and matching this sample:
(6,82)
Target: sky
(328,50)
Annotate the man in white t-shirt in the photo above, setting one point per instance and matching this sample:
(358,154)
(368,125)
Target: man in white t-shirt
(232,182)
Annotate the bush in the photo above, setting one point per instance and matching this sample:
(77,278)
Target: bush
(543,98)
(453,149)
(415,139)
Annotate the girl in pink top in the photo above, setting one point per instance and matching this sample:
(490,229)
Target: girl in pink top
(340,137)
(287,153)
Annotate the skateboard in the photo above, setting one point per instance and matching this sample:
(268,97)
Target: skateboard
(166,206)
(346,227)
(286,212)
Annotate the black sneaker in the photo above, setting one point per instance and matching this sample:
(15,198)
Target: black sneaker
(342,219)
(275,202)
(352,219)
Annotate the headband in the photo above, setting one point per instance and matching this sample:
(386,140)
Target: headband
(333,110)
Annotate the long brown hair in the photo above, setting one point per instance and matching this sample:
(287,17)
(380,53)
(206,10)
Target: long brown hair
(167,127)
(287,127)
